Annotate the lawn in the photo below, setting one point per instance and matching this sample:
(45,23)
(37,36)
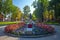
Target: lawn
(7,23)
(55,23)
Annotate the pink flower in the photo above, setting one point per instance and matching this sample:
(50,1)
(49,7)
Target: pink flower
(12,27)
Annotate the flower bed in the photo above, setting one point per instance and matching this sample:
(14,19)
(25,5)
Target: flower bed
(38,29)
(13,27)
(46,27)
(10,28)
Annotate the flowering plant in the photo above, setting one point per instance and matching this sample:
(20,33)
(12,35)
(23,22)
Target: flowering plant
(12,27)
(46,27)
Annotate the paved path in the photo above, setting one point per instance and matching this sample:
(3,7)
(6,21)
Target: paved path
(52,37)
(3,36)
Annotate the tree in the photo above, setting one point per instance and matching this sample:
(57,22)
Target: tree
(26,11)
(19,15)
(55,4)
(34,17)
(7,8)
(41,9)
(16,13)
(0,6)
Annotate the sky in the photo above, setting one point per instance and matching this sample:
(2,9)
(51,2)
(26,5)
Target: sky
(22,3)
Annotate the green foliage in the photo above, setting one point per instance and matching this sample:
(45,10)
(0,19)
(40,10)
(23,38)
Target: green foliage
(34,17)
(55,4)
(16,13)
(7,7)
(41,7)
(1,5)
(26,11)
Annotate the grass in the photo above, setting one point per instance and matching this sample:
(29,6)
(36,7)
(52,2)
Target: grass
(56,23)
(7,23)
